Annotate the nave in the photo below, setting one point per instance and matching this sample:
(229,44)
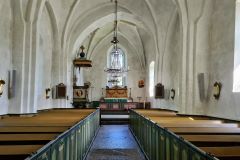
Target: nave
(71,134)
(59,58)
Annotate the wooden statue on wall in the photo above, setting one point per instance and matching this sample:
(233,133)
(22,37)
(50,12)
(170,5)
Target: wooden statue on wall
(141,83)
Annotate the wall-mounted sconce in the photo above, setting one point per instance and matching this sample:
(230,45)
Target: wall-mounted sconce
(217,90)
(48,93)
(172,93)
(2,82)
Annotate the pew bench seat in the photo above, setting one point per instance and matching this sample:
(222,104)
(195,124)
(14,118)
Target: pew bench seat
(18,149)
(32,129)
(27,137)
(223,151)
(26,124)
(212,138)
(183,120)
(156,113)
(197,125)
(204,130)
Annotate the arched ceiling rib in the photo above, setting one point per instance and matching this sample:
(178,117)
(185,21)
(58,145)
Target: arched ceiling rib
(80,34)
(85,25)
(95,4)
(79,22)
(97,11)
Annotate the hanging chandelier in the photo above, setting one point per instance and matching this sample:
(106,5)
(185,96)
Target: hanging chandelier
(115,69)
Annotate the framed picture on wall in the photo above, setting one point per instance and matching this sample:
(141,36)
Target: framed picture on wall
(60,91)
(159,91)
(80,92)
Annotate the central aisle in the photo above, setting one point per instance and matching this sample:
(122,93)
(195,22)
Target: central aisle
(115,142)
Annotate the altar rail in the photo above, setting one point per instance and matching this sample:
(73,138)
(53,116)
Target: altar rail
(161,144)
(73,143)
(124,105)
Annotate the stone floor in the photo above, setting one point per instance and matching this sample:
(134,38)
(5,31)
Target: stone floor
(115,142)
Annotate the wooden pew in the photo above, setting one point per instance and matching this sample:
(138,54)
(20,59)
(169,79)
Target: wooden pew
(43,119)
(27,137)
(204,130)
(190,123)
(33,129)
(51,118)
(198,125)
(156,113)
(18,149)
(66,111)
(25,124)
(186,122)
(224,153)
(64,121)
(213,140)
(28,134)
(163,113)
(212,136)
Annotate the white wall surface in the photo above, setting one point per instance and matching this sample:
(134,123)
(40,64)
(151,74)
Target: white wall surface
(39,39)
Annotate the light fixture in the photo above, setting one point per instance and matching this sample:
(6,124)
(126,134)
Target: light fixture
(172,93)
(217,90)
(116,69)
(48,93)
(113,81)
(2,82)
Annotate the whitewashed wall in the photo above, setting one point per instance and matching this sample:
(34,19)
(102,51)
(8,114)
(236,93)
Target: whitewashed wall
(39,40)
(5,51)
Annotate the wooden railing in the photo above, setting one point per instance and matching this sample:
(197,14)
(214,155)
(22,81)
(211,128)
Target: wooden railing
(159,143)
(74,143)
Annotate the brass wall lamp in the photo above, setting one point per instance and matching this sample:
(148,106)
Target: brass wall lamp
(2,83)
(172,93)
(217,87)
(48,93)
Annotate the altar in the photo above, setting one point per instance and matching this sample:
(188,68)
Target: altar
(116,104)
(116,92)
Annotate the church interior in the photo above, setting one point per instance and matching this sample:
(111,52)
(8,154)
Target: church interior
(120,79)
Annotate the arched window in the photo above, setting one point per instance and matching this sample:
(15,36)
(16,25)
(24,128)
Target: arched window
(123,63)
(236,73)
(151,79)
